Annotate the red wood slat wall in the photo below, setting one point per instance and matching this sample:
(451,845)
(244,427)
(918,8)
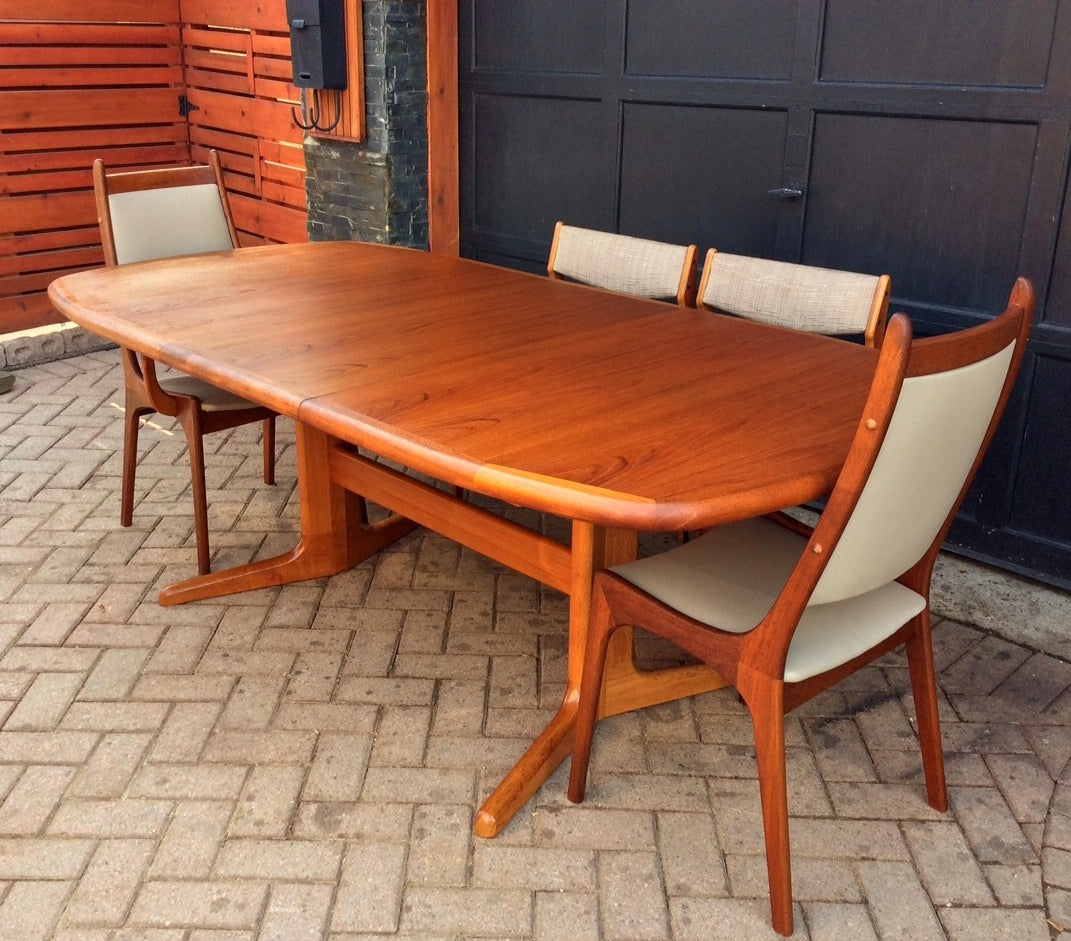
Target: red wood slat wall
(101,78)
(81,80)
(237,75)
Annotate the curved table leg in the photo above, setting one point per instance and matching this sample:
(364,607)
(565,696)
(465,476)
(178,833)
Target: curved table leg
(625,687)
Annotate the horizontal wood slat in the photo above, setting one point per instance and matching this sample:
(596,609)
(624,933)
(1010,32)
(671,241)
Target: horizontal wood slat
(237,14)
(77,107)
(81,79)
(95,11)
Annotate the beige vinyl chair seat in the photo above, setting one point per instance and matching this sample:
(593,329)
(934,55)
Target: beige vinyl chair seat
(729,578)
(212,398)
(623,263)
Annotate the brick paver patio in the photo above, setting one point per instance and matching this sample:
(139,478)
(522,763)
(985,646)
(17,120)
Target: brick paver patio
(304,763)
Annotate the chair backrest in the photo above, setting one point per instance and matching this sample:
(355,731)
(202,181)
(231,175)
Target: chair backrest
(163,213)
(623,263)
(820,300)
(953,394)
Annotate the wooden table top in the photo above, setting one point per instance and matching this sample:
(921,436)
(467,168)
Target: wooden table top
(580,402)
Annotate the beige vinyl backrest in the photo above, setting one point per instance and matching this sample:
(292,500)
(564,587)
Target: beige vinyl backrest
(938,426)
(803,297)
(167,222)
(623,263)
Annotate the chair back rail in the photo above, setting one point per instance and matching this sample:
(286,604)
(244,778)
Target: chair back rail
(803,297)
(623,263)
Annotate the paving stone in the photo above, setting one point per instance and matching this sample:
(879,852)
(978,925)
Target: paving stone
(695,919)
(127,817)
(495,913)
(1016,886)
(31,908)
(966,924)
(949,871)
(540,868)
(440,846)
(566,916)
(1025,785)
(268,802)
(363,823)
(898,902)
(186,782)
(105,892)
(30,804)
(185,731)
(109,770)
(189,846)
(990,827)
(215,904)
(831,921)
(369,894)
(826,880)
(279,860)
(296,912)
(253,700)
(44,858)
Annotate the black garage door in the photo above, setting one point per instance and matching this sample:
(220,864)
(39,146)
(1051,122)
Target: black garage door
(927,140)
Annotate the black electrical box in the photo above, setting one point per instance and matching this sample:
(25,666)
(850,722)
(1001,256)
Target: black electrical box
(317,43)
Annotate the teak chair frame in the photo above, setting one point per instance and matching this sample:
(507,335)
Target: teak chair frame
(754,660)
(199,408)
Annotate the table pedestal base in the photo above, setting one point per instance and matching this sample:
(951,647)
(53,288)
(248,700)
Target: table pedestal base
(336,534)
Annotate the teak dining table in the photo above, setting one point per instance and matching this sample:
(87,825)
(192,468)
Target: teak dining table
(619,414)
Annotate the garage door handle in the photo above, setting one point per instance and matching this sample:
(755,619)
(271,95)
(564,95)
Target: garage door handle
(786,192)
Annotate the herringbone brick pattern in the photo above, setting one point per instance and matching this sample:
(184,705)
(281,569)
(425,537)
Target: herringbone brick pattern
(304,763)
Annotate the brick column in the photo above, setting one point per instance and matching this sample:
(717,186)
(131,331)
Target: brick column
(377,190)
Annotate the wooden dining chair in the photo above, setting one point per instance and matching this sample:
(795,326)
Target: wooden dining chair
(782,611)
(821,300)
(163,213)
(622,263)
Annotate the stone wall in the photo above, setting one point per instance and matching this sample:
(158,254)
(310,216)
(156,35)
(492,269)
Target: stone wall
(377,190)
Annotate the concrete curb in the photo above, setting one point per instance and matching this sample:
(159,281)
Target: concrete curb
(45,344)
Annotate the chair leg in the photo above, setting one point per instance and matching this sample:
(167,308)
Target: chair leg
(924,691)
(599,631)
(269,450)
(768,716)
(190,420)
(131,425)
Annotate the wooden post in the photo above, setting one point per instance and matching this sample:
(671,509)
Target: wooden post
(444,215)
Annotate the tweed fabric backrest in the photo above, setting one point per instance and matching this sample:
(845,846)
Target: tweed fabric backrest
(939,424)
(819,300)
(620,263)
(168,222)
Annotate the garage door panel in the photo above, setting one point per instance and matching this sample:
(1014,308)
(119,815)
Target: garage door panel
(538,36)
(739,40)
(997,43)
(702,174)
(538,160)
(940,205)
